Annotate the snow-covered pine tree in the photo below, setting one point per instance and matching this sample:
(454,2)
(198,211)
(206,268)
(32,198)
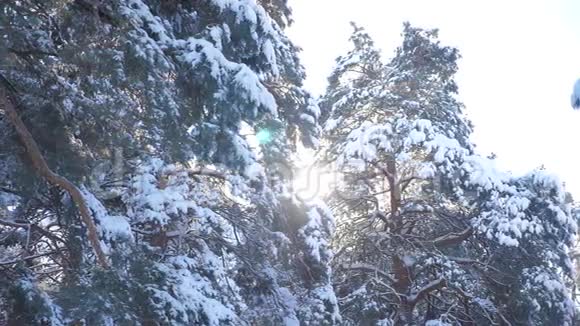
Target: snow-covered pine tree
(395,223)
(171,122)
(421,231)
(528,228)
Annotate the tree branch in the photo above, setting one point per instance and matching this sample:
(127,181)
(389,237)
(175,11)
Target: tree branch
(207,172)
(452,238)
(371,269)
(7,104)
(432,286)
(17,260)
(14,224)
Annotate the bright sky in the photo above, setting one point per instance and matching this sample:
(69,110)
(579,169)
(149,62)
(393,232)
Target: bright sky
(520,61)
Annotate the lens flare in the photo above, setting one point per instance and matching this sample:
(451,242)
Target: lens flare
(264,136)
(312,181)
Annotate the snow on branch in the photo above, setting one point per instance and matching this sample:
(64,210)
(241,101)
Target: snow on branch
(370,268)
(430,287)
(575,97)
(453,238)
(7,104)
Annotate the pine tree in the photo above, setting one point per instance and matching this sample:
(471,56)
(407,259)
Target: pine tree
(421,232)
(532,228)
(146,171)
(171,122)
(384,122)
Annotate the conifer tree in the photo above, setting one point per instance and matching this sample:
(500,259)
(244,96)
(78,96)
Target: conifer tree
(171,123)
(422,220)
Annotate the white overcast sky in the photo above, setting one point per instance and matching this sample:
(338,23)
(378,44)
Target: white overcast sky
(520,60)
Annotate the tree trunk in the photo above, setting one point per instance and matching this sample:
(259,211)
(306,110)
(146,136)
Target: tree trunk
(402,278)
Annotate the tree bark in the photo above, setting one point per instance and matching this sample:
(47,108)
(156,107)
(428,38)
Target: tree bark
(401,271)
(395,192)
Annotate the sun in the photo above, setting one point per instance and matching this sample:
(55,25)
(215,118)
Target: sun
(312,180)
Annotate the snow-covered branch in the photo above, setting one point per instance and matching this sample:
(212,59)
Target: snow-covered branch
(7,104)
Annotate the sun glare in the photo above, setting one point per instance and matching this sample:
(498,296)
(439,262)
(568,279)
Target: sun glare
(312,180)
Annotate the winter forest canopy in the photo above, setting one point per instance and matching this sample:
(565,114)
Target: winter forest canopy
(149,175)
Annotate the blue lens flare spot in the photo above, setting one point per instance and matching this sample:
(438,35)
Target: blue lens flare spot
(264,136)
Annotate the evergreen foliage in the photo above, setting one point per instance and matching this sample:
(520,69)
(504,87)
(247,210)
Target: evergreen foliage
(146,171)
